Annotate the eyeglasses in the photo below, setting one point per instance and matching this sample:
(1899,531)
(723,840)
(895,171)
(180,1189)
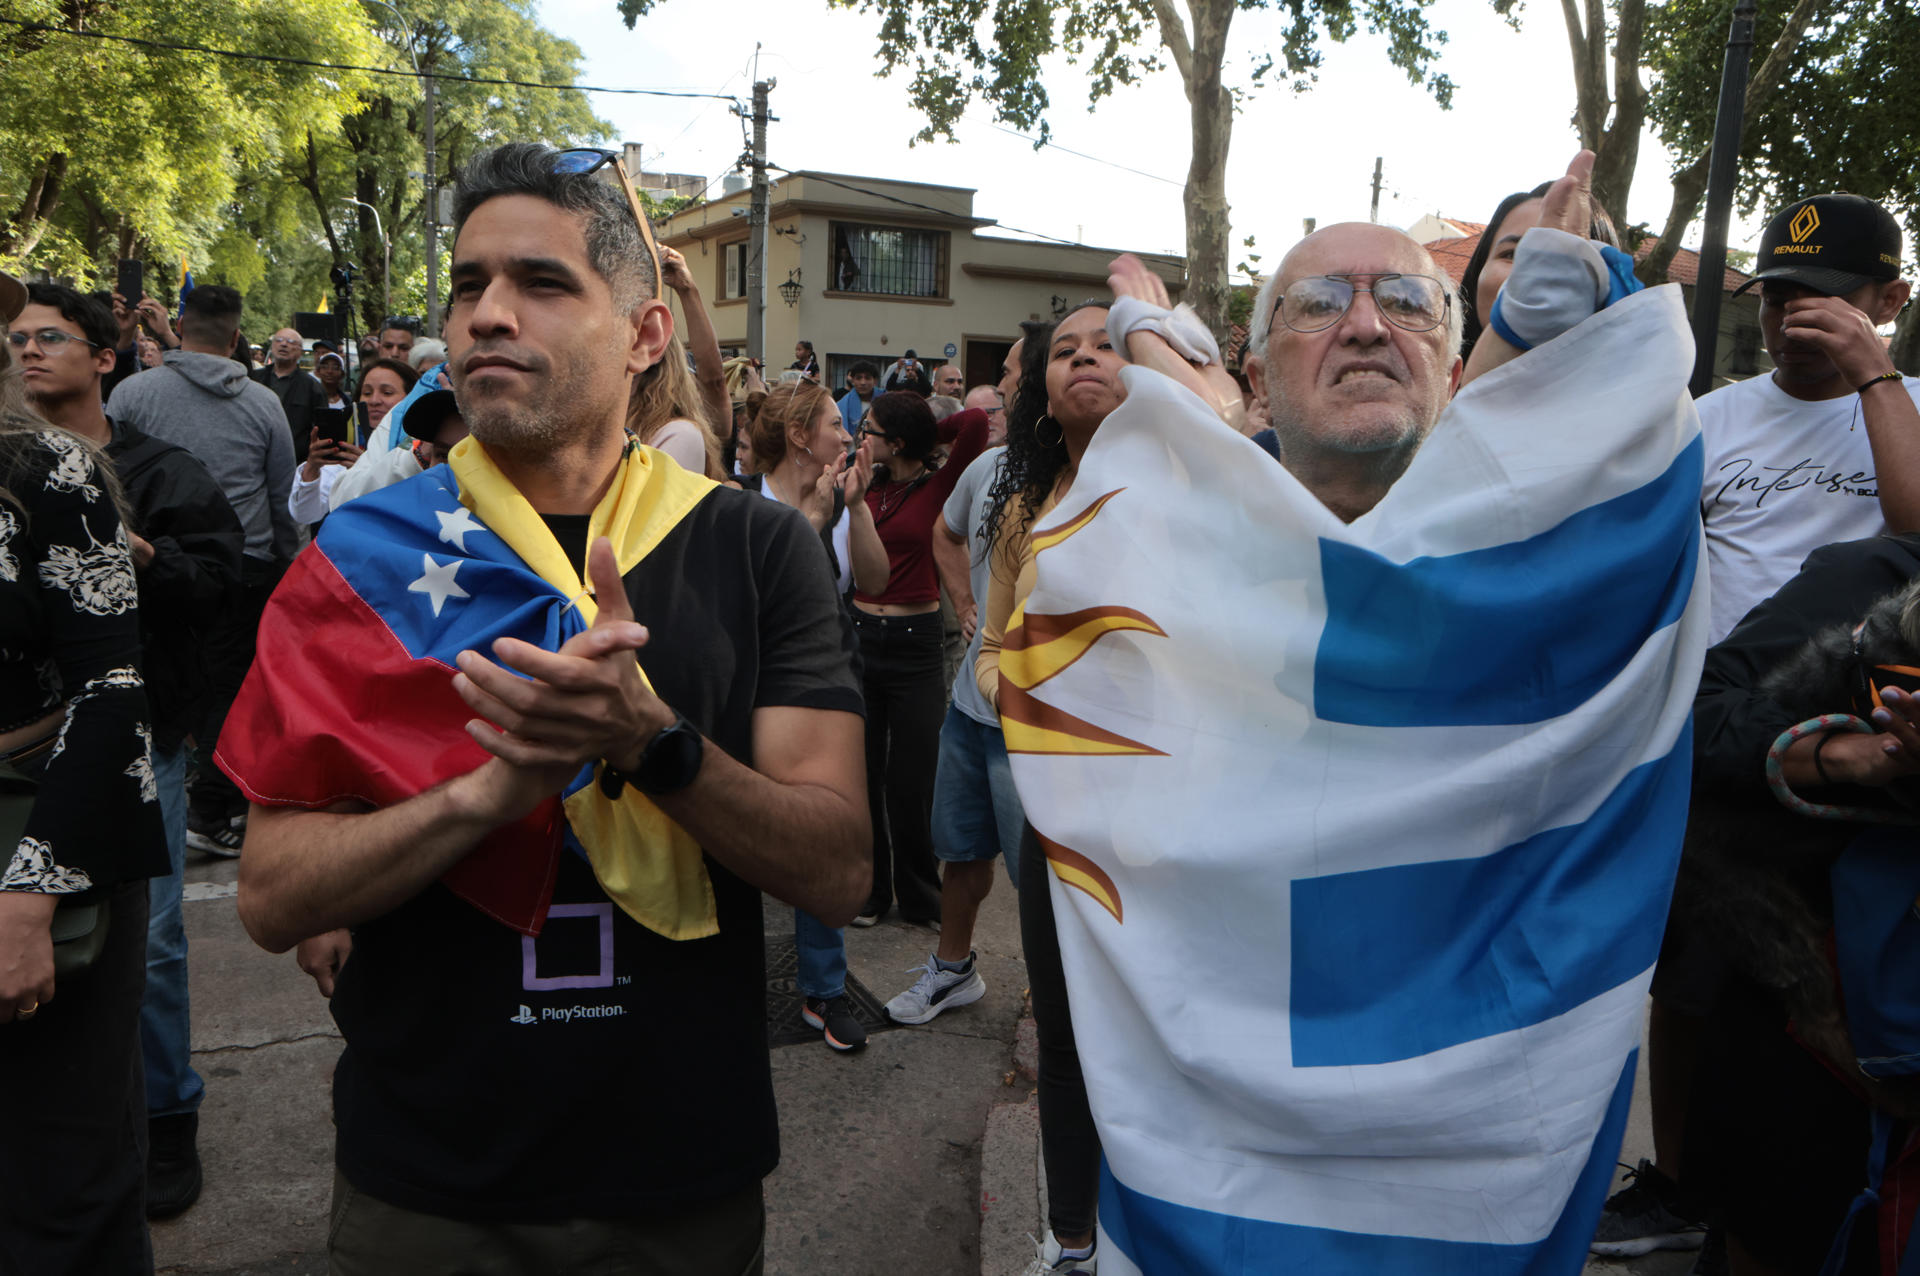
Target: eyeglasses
(874,434)
(1413,303)
(588,160)
(51,340)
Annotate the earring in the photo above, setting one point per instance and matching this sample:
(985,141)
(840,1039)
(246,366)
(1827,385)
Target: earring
(1059,435)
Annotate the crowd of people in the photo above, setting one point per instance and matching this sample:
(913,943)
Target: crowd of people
(514,667)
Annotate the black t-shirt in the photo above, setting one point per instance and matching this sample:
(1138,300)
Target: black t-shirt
(599,1070)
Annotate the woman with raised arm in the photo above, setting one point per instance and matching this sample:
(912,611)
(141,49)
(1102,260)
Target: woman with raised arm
(1070,382)
(709,368)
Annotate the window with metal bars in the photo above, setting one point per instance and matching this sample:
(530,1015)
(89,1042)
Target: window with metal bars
(890,260)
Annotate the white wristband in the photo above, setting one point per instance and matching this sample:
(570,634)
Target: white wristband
(1180,328)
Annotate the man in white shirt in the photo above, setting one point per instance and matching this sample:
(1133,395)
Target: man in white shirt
(1826,447)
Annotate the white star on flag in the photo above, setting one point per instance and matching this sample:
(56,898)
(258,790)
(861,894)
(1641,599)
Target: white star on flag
(455,526)
(437,582)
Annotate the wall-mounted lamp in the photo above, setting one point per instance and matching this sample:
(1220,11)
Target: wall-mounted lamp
(790,290)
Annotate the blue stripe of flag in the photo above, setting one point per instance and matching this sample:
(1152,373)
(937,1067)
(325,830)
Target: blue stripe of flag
(1392,963)
(380,544)
(1159,1236)
(1513,633)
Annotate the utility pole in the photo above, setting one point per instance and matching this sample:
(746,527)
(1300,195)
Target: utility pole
(757,227)
(1722,172)
(433,206)
(1374,215)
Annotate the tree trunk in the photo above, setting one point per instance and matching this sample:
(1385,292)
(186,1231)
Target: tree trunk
(1619,148)
(1689,188)
(1205,198)
(310,180)
(42,199)
(1906,342)
(1690,184)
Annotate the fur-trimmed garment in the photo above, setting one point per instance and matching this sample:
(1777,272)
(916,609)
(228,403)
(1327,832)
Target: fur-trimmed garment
(1753,880)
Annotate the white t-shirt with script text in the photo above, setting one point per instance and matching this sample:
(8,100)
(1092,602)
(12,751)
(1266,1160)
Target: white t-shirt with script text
(1784,476)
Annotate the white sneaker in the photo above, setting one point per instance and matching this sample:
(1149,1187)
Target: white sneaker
(937,990)
(1047,1261)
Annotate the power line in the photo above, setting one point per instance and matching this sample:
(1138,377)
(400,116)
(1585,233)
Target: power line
(1083,155)
(172,47)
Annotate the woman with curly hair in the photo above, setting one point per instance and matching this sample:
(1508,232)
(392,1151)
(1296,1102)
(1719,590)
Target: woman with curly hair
(81,833)
(1069,383)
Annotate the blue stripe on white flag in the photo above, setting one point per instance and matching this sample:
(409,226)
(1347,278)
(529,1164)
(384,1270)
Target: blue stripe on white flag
(1159,1236)
(1393,963)
(1513,633)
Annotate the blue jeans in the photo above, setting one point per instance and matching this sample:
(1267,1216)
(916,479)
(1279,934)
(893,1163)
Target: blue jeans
(976,810)
(823,956)
(172,1085)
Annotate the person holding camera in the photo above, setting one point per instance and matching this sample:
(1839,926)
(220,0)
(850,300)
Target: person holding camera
(908,373)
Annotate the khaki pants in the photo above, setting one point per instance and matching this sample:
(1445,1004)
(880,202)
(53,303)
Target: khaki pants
(368,1237)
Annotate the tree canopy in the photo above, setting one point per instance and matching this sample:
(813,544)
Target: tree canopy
(246,167)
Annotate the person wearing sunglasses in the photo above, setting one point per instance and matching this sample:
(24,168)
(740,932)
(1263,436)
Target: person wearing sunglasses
(555,1000)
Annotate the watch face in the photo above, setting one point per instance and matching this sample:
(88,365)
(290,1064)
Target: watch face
(672,760)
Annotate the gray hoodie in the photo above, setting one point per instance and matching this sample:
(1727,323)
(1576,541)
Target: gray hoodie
(206,404)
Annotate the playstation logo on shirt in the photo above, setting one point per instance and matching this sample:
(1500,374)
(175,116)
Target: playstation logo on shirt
(526,1015)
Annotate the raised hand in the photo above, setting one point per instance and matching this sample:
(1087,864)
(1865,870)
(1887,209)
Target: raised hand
(674,272)
(857,477)
(816,498)
(1129,277)
(1842,332)
(1569,202)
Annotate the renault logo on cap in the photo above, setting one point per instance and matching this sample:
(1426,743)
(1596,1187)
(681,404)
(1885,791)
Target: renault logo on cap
(1804,223)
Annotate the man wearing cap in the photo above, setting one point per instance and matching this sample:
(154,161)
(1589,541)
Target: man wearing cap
(298,390)
(1826,447)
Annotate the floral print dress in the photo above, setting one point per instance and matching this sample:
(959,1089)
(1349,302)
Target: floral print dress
(69,635)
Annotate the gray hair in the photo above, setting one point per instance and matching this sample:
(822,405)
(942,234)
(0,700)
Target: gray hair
(1268,300)
(426,352)
(943,406)
(615,248)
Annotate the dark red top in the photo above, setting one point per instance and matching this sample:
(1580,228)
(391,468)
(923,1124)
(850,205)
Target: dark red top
(903,513)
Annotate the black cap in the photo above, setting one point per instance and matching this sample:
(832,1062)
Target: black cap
(425,415)
(910,355)
(1833,244)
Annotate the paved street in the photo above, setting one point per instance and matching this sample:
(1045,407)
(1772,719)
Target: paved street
(918,1154)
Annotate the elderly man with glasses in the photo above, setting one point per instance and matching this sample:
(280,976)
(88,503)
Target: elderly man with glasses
(298,390)
(538,915)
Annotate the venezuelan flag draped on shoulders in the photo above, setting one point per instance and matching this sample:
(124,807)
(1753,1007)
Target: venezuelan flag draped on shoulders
(1363,835)
(350,697)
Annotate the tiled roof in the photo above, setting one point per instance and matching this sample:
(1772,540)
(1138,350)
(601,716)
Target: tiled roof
(1452,255)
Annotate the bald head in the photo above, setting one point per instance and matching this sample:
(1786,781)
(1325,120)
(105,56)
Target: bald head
(1352,400)
(285,351)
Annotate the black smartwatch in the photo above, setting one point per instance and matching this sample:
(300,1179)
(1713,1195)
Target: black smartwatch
(668,764)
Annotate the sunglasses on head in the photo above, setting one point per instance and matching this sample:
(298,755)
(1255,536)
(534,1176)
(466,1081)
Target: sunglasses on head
(584,161)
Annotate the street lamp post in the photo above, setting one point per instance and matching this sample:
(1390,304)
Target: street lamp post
(386,248)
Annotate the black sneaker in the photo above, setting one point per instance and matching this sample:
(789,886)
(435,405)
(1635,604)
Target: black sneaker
(1646,1215)
(216,836)
(834,1018)
(173,1164)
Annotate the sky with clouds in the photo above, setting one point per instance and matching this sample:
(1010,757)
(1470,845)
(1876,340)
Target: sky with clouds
(1293,156)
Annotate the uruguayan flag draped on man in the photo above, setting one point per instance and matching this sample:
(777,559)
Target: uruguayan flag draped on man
(1363,834)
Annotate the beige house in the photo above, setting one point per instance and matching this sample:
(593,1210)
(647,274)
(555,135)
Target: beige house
(869,268)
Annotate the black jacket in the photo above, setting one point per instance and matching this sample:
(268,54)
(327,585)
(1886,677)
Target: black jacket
(197,541)
(299,394)
(1734,724)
